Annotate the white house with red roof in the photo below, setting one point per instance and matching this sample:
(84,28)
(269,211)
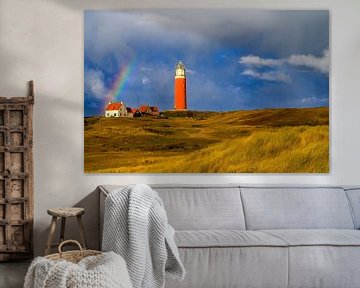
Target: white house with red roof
(119,109)
(116,109)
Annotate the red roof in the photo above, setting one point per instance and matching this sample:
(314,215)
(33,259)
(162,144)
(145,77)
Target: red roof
(114,106)
(144,108)
(133,110)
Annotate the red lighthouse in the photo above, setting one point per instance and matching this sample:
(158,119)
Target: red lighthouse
(180,87)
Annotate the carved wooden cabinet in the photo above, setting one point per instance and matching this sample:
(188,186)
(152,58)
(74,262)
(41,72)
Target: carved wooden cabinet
(16,177)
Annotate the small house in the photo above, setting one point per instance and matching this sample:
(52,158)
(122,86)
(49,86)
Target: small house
(145,109)
(116,109)
(135,112)
(155,110)
(129,112)
(150,110)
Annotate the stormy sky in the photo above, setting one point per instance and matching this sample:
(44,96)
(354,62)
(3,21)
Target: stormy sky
(235,59)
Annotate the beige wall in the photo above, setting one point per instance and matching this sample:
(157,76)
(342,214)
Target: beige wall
(43,40)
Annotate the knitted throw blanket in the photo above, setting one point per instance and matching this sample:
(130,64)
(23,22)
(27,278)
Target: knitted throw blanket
(103,271)
(136,227)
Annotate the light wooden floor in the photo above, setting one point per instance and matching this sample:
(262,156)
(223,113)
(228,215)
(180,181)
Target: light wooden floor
(12,274)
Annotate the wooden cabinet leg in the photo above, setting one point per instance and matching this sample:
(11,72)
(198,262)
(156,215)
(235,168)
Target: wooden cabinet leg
(51,234)
(82,232)
(62,231)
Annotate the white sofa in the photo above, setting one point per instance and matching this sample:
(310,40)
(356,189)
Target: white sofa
(253,236)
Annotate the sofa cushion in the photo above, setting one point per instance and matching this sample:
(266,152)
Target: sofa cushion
(354,198)
(220,267)
(322,258)
(191,208)
(315,237)
(226,238)
(296,208)
(324,266)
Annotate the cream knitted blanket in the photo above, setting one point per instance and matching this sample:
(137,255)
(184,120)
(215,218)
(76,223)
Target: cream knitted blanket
(103,271)
(136,227)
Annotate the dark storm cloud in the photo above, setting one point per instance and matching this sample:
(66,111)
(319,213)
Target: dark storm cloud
(282,32)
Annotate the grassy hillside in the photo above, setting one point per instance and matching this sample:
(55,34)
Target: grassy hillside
(269,140)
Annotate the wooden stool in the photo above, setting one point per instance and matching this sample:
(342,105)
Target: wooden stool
(64,213)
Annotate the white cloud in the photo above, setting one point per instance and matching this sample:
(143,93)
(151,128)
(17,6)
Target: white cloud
(319,63)
(269,76)
(190,71)
(252,60)
(94,83)
(313,99)
(145,80)
(145,69)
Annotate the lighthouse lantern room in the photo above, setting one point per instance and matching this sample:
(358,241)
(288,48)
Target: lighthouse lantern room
(180,87)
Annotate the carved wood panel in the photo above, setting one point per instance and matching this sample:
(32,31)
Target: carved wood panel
(16,177)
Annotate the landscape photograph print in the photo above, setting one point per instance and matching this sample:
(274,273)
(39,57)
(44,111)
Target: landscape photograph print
(206,91)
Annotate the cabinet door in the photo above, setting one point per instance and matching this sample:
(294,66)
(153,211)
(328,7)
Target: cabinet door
(16,212)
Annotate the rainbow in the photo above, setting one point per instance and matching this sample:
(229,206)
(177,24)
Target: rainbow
(118,86)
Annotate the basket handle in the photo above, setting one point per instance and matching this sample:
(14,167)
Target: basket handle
(69,241)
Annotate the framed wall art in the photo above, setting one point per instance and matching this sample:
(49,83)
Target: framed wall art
(206,91)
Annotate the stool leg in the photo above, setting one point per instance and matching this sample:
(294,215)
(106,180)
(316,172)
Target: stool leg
(51,234)
(62,231)
(82,232)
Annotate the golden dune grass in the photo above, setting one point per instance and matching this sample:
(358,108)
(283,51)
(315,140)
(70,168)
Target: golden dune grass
(261,141)
(282,150)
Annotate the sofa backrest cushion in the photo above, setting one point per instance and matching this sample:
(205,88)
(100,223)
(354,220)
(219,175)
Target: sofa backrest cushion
(296,208)
(203,208)
(354,198)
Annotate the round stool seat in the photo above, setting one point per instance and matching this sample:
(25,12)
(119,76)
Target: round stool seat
(66,211)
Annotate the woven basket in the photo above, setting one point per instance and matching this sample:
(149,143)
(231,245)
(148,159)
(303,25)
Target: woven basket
(72,256)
